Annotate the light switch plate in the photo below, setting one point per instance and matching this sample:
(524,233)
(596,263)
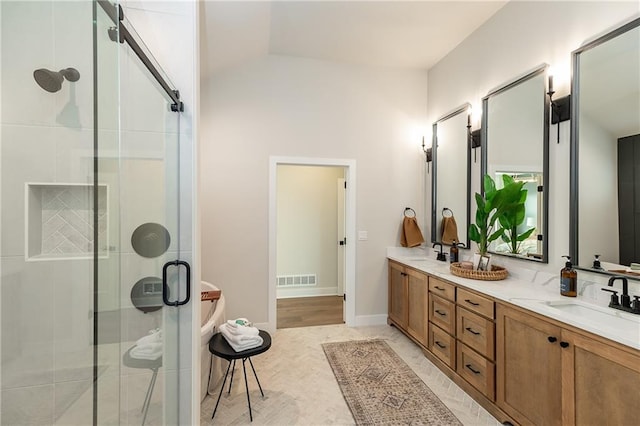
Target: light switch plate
(363,235)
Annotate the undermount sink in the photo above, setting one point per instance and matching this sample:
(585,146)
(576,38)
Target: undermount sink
(603,316)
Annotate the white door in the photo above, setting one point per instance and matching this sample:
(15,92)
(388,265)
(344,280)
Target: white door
(342,239)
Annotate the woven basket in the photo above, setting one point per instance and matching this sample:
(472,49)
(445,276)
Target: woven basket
(496,273)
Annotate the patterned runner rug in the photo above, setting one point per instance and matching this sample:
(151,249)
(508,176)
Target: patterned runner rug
(380,388)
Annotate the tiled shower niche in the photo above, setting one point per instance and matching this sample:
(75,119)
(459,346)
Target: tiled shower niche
(59,221)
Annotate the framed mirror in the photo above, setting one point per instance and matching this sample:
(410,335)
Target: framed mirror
(515,141)
(451,181)
(605,153)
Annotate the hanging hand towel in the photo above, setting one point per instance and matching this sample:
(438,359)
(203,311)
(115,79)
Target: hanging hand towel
(411,234)
(449,230)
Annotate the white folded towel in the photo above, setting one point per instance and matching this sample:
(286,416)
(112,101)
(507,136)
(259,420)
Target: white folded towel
(239,322)
(150,351)
(154,336)
(241,330)
(239,342)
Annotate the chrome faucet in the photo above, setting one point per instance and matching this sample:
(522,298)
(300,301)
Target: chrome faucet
(441,255)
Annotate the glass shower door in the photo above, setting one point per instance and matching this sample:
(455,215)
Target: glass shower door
(146,276)
(93,214)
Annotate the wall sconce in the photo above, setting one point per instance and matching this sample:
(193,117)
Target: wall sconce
(428,154)
(560,108)
(474,138)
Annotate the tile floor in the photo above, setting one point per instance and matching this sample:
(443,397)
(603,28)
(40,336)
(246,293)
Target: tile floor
(300,388)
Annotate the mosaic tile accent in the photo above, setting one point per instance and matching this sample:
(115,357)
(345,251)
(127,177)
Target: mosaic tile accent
(67,219)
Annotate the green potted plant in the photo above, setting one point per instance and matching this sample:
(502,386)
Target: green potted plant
(513,217)
(490,207)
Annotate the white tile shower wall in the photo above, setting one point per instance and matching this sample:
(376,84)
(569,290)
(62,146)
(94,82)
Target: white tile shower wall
(27,322)
(26,155)
(46,137)
(67,220)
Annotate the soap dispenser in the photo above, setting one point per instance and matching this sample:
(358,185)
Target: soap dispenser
(454,252)
(568,279)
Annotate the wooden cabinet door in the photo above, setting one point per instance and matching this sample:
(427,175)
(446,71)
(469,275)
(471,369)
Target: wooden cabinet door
(529,367)
(418,315)
(398,308)
(602,382)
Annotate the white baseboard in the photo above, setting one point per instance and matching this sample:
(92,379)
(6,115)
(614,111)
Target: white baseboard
(284,293)
(364,320)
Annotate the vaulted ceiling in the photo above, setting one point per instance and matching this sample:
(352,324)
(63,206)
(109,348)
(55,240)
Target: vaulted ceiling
(400,34)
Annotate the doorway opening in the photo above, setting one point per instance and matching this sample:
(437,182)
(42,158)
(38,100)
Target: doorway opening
(311,258)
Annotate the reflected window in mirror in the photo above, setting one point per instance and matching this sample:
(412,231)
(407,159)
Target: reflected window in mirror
(451,177)
(605,152)
(515,137)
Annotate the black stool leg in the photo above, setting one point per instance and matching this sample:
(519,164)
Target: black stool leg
(256,376)
(147,398)
(233,370)
(221,389)
(246,385)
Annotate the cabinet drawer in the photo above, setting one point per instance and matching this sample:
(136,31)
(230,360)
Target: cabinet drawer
(476,332)
(442,289)
(476,370)
(478,304)
(442,313)
(442,345)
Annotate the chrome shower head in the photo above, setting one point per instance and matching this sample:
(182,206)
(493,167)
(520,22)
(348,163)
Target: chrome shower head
(51,81)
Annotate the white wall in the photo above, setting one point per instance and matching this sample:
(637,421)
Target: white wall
(520,36)
(307,225)
(284,106)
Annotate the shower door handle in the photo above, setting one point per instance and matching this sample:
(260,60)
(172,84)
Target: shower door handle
(165,285)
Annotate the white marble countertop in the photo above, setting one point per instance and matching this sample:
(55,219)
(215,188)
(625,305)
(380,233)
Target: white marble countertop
(531,290)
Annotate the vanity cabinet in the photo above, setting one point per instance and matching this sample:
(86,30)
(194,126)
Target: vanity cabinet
(553,374)
(603,382)
(417,300)
(523,367)
(442,313)
(408,301)
(398,307)
(442,321)
(529,360)
(475,333)
(461,333)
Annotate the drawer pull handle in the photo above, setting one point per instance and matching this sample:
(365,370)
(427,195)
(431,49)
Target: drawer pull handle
(472,331)
(439,288)
(439,312)
(471,302)
(564,344)
(470,367)
(440,345)
(552,339)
